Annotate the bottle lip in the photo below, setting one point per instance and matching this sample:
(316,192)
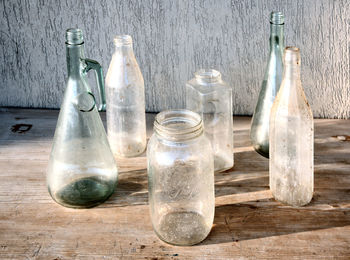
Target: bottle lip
(209,75)
(277,18)
(74,36)
(178,125)
(124,39)
(292,55)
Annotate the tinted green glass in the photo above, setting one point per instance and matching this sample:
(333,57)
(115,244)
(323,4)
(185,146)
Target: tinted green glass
(259,133)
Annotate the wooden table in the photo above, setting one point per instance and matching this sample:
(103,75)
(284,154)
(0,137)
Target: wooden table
(248,223)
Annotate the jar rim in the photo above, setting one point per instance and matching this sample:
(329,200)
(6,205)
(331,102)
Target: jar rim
(178,124)
(207,74)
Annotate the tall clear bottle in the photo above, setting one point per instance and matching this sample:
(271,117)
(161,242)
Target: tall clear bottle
(126,121)
(82,171)
(259,132)
(291,138)
(208,95)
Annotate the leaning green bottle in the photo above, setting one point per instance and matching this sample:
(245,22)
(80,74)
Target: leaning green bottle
(82,171)
(259,132)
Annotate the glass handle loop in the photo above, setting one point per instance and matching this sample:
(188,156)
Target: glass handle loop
(94,65)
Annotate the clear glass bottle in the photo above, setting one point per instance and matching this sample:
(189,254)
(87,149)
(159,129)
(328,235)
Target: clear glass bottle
(82,171)
(259,132)
(208,95)
(180,178)
(126,119)
(291,138)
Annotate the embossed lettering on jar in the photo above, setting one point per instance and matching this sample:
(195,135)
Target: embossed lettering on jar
(181,178)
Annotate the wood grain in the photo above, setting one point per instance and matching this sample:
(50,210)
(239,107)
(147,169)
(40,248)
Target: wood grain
(172,40)
(248,222)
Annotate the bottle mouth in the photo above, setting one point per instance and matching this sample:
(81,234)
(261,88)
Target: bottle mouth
(120,40)
(74,36)
(292,54)
(209,75)
(178,125)
(277,18)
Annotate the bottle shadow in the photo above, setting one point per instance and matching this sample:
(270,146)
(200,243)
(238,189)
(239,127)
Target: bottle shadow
(246,209)
(268,218)
(131,190)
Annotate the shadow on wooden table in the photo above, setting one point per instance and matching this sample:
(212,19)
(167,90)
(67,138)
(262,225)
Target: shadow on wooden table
(267,218)
(245,216)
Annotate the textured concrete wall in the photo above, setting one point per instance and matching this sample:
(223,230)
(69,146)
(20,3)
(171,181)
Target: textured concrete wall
(173,39)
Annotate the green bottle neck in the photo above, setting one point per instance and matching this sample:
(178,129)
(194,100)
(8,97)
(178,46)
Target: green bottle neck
(75,56)
(277,38)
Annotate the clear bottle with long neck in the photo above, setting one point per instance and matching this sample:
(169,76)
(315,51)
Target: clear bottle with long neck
(259,133)
(82,171)
(126,121)
(291,138)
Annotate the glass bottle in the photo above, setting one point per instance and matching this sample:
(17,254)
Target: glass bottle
(291,138)
(208,95)
(180,178)
(259,132)
(82,171)
(126,119)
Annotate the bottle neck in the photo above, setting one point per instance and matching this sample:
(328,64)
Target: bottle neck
(291,64)
(125,49)
(276,37)
(75,55)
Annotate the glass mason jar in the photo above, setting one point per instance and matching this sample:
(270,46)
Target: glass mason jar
(82,171)
(180,178)
(209,96)
(126,118)
(291,138)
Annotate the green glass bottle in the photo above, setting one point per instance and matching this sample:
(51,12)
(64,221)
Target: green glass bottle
(259,132)
(82,171)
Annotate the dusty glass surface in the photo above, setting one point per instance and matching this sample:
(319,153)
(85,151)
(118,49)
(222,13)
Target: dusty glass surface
(126,119)
(82,171)
(208,95)
(259,133)
(180,178)
(291,138)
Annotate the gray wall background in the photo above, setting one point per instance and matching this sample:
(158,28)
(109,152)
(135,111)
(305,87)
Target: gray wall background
(173,39)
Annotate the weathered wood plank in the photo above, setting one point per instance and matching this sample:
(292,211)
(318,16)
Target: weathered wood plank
(248,222)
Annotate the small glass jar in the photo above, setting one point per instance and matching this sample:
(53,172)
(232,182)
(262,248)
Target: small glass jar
(209,96)
(180,178)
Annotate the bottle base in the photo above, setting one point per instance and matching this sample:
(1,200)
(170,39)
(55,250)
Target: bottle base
(262,152)
(86,192)
(294,203)
(184,228)
(222,163)
(131,148)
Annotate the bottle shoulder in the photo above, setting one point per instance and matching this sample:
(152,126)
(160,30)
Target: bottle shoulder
(291,101)
(123,72)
